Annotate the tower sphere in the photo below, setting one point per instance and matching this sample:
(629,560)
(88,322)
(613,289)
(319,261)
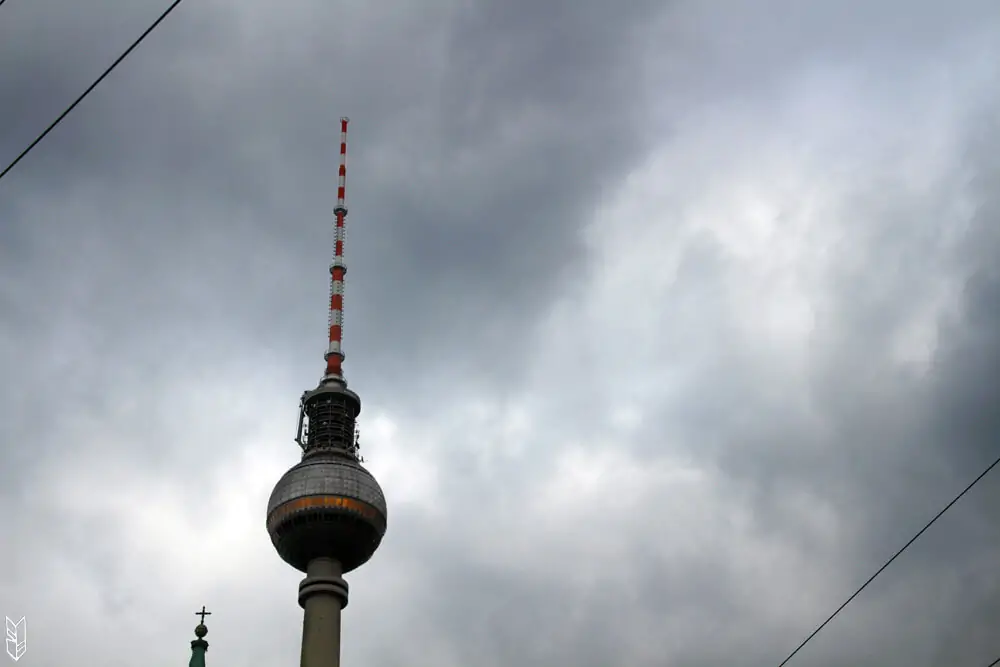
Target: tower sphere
(327,506)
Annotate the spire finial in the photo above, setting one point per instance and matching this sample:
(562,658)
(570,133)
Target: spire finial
(203,614)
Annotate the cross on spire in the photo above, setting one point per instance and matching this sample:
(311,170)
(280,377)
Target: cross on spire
(203,614)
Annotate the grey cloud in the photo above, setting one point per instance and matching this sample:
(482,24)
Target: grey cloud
(171,238)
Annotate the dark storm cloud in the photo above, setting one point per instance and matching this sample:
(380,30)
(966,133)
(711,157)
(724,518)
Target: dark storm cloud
(533,119)
(493,173)
(173,222)
(171,237)
(459,259)
(891,448)
(967,391)
(149,118)
(891,451)
(887,449)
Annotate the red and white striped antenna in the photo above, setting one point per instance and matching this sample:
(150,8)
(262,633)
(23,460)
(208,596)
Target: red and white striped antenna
(335,353)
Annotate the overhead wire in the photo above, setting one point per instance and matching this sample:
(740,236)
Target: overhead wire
(890,561)
(108,71)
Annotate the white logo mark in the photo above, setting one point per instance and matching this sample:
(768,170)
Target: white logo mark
(16,638)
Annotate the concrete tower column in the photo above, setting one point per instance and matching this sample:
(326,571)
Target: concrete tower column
(322,594)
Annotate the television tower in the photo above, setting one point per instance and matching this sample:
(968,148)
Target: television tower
(327,514)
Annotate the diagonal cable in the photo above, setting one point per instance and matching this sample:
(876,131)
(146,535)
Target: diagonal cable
(889,562)
(92,86)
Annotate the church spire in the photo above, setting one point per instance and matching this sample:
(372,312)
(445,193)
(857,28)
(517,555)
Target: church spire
(199,645)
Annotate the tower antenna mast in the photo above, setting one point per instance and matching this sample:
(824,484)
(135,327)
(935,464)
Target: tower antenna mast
(335,352)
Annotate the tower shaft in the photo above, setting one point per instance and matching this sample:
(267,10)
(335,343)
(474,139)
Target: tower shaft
(322,595)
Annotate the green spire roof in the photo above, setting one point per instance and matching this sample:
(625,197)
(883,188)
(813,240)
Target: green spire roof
(199,645)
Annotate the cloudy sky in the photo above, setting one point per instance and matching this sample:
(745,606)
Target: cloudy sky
(671,322)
